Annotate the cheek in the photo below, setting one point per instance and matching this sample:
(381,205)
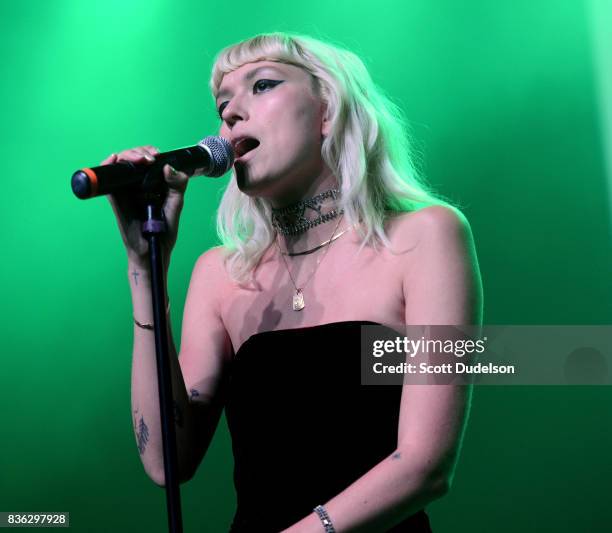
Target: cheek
(293,121)
(307,117)
(224,130)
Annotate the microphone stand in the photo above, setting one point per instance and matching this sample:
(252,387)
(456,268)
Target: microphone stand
(153,228)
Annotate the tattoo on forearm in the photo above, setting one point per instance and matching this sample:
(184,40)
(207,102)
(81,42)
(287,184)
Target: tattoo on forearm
(193,393)
(143,436)
(178,415)
(135,274)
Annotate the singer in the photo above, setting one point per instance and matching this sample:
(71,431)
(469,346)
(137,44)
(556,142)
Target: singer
(325,226)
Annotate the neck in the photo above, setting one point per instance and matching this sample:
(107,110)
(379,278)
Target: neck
(292,209)
(323,181)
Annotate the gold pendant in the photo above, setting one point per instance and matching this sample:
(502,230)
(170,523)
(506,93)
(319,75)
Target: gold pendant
(298,300)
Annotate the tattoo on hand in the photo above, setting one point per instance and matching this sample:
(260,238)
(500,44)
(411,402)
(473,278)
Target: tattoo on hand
(143,436)
(193,393)
(396,455)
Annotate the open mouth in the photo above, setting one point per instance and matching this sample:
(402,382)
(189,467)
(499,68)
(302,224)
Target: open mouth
(245,145)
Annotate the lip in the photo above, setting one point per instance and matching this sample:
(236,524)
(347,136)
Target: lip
(236,141)
(244,157)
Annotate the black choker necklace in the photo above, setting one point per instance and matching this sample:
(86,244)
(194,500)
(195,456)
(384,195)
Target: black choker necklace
(292,220)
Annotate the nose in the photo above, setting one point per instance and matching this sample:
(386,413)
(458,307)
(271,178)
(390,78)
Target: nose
(234,111)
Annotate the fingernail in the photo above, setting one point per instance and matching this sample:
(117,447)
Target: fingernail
(173,170)
(150,157)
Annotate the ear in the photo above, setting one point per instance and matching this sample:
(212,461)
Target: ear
(325,120)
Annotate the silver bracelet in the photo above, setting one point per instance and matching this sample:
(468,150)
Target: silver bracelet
(325,520)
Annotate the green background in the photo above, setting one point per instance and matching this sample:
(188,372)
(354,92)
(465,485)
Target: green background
(510,107)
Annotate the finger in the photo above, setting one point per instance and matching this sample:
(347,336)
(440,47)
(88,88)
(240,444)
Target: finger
(151,149)
(143,152)
(109,160)
(175,179)
(136,155)
(148,151)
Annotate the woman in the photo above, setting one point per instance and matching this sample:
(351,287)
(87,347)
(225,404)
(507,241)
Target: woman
(325,228)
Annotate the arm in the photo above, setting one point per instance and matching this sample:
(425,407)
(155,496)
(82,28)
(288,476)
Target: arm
(441,286)
(197,375)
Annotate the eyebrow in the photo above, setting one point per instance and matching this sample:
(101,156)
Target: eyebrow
(248,76)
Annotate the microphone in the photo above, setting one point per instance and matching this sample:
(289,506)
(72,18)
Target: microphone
(212,156)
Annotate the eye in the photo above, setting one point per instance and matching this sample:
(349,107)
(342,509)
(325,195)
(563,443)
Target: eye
(221,108)
(262,85)
(258,87)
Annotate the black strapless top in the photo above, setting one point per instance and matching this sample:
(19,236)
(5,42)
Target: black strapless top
(303,427)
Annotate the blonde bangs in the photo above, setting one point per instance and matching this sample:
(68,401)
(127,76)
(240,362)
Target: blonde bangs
(267,47)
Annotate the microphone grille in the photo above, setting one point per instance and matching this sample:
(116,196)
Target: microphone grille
(221,152)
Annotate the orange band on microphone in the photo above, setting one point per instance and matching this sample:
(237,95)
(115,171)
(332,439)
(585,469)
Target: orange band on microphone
(93,180)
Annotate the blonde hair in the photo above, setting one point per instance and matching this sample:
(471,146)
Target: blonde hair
(367,148)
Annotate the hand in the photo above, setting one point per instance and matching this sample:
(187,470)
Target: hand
(126,207)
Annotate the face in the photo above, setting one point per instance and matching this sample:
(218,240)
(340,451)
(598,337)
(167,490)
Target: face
(275,121)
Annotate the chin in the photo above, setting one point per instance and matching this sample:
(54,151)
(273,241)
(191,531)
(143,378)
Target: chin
(281,184)
(253,187)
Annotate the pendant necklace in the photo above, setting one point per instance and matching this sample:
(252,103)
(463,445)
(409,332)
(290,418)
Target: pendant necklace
(298,297)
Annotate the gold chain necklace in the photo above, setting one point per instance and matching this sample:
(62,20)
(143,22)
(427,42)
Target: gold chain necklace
(298,297)
(318,247)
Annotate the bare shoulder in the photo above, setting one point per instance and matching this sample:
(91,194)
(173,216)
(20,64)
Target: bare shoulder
(209,271)
(204,339)
(441,279)
(436,225)
(212,259)
(436,219)
(209,280)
